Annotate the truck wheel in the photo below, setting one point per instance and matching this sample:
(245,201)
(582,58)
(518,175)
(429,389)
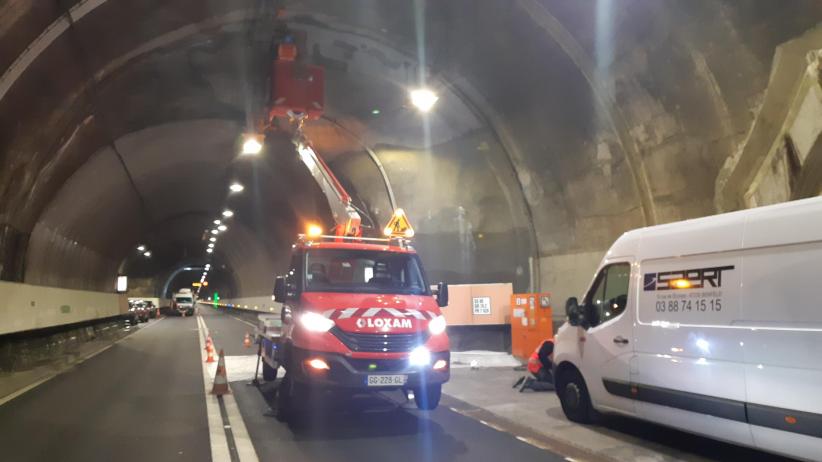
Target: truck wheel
(574,397)
(428,398)
(290,399)
(269,373)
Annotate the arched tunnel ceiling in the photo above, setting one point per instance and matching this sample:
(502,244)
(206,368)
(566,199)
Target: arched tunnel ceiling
(560,125)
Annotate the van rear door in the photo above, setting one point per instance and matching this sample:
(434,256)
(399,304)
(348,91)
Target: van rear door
(607,347)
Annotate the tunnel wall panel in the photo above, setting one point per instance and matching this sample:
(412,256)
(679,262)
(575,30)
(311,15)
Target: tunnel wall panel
(25,306)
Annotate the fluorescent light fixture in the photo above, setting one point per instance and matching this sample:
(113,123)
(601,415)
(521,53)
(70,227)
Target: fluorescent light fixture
(141,248)
(214,231)
(212,239)
(236,187)
(122,283)
(147,254)
(423,99)
(210,245)
(217,222)
(228,213)
(222,228)
(252,145)
(210,250)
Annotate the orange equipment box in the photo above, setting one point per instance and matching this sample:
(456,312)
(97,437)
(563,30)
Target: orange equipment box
(530,323)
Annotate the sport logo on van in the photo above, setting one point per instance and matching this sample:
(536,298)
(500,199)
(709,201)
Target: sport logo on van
(686,279)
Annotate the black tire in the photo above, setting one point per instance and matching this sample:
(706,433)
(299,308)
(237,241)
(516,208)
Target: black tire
(269,373)
(428,398)
(287,399)
(574,397)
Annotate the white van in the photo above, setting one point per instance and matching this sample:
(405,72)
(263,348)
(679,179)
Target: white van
(712,326)
(182,302)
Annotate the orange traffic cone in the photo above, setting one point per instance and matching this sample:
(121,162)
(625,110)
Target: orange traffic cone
(220,379)
(247,340)
(210,351)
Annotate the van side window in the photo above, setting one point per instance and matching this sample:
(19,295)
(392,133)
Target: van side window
(609,296)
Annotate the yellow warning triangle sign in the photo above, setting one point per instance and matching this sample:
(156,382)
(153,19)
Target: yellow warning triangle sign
(399,226)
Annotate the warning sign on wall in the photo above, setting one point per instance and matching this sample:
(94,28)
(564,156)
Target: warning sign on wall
(481,305)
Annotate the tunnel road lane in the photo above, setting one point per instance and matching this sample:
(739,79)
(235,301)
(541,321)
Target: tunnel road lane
(379,427)
(142,399)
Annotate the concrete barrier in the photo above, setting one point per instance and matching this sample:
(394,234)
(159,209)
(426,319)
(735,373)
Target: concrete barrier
(26,307)
(262,304)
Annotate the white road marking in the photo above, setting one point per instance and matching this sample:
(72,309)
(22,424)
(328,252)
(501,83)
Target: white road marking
(216,434)
(245,322)
(219,444)
(11,396)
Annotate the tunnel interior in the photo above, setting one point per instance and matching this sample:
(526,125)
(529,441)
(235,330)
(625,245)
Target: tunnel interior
(559,126)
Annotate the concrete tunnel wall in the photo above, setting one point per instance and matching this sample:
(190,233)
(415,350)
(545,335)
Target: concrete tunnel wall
(560,125)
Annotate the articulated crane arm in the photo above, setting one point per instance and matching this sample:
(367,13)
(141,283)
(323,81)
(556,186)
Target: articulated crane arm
(345,215)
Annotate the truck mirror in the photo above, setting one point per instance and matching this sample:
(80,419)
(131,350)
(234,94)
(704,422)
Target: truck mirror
(279,289)
(572,310)
(286,316)
(442,294)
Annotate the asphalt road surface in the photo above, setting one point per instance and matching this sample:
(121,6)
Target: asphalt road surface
(143,399)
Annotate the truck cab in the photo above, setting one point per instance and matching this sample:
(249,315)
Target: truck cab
(182,302)
(359,315)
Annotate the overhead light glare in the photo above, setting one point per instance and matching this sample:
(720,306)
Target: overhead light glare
(222,228)
(423,99)
(252,145)
(236,187)
(228,213)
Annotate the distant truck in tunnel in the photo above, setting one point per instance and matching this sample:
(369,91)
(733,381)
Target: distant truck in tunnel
(358,315)
(182,302)
(711,326)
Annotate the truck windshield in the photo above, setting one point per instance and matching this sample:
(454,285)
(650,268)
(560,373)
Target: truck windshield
(364,271)
(183,299)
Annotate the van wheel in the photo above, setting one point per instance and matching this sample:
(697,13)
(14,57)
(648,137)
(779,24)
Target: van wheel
(269,373)
(428,398)
(574,397)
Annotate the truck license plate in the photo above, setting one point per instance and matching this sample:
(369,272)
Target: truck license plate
(386,380)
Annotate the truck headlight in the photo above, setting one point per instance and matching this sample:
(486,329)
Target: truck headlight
(437,325)
(314,322)
(420,356)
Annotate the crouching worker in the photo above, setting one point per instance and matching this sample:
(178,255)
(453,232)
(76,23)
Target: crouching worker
(540,366)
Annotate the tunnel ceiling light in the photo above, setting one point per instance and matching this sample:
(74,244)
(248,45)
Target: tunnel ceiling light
(211,245)
(141,248)
(375,111)
(209,250)
(222,228)
(147,254)
(228,213)
(423,99)
(208,266)
(236,187)
(214,231)
(217,222)
(252,144)
(212,239)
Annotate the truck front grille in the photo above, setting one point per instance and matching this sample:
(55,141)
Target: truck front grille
(380,343)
